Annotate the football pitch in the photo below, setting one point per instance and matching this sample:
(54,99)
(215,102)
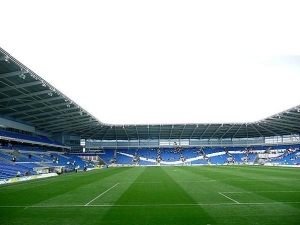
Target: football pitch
(232,195)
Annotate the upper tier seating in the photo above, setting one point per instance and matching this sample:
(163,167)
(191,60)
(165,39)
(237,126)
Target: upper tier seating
(36,138)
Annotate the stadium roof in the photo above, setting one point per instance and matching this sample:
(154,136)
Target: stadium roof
(26,97)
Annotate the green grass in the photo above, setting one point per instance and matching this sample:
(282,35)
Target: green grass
(230,195)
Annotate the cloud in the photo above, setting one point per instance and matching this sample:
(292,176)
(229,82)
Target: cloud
(161,61)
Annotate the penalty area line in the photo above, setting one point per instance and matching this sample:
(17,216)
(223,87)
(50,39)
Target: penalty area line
(247,192)
(229,198)
(150,205)
(101,194)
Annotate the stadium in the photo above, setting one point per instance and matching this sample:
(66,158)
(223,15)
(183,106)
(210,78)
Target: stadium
(97,173)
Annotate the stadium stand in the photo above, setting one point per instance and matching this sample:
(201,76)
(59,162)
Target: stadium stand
(25,158)
(21,137)
(41,129)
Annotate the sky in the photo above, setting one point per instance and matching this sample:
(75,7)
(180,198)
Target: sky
(161,62)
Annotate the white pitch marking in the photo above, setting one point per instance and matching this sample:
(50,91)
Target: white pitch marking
(101,194)
(247,192)
(197,204)
(150,205)
(229,198)
(176,181)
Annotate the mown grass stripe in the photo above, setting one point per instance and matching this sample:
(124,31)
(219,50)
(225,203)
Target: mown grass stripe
(157,195)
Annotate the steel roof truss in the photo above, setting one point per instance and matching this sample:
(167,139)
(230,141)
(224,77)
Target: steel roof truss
(12,74)
(270,131)
(287,124)
(276,127)
(25,95)
(96,133)
(205,131)
(237,131)
(182,132)
(227,131)
(105,133)
(21,85)
(221,125)
(34,102)
(45,113)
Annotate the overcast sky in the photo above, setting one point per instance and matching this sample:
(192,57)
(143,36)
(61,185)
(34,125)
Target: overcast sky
(135,62)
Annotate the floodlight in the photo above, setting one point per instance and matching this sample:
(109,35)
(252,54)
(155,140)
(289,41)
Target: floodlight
(23,76)
(6,59)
